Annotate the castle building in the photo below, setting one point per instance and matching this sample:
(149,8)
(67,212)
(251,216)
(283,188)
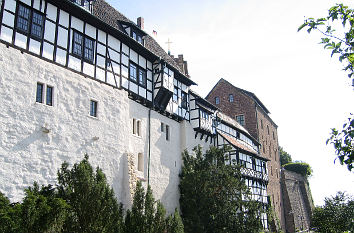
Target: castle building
(79,77)
(245,107)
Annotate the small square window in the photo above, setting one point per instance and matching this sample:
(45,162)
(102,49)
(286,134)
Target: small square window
(93,108)
(83,46)
(49,96)
(217,100)
(39,93)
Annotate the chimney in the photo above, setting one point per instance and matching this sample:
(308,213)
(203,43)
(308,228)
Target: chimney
(182,64)
(140,22)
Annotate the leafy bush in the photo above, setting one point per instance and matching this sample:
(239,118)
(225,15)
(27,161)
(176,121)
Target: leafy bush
(301,168)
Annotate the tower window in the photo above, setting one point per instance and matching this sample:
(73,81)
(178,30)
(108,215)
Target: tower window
(217,100)
(240,119)
(231,98)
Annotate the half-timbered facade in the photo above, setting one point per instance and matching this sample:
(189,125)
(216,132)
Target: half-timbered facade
(79,77)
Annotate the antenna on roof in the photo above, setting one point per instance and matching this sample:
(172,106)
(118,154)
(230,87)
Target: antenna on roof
(169,46)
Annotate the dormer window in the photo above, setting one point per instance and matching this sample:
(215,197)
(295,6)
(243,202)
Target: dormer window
(137,36)
(86,4)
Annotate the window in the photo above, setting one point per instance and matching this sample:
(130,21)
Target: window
(268,129)
(49,97)
(30,22)
(137,74)
(217,100)
(175,95)
(261,124)
(137,36)
(93,108)
(184,100)
(83,46)
(231,98)
(142,77)
(240,119)
(167,133)
(140,162)
(273,136)
(162,127)
(136,127)
(39,93)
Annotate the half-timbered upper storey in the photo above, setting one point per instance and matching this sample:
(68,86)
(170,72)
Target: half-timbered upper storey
(92,38)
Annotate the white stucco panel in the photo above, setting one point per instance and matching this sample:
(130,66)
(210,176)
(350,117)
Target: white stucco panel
(64,18)
(48,50)
(8,19)
(61,56)
(51,12)
(62,37)
(77,24)
(35,46)
(6,34)
(20,40)
(49,32)
(90,31)
(10,5)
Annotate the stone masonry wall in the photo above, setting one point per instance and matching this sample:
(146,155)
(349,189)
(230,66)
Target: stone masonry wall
(298,204)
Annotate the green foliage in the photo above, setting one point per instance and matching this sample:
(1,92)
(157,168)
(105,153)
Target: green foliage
(339,44)
(337,214)
(343,143)
(93,205)
(174,223)
(212,195)
(148,216)
(84,202)
(342,45)
(284,156)
(299,167)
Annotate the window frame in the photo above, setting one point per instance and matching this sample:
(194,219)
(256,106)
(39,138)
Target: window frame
(231,98)
(93,108)
(168,133)
(39,84)
(184,100)
(29,31)
(82,54)
(50,102)
(239,120)
(217,100)
(136,79)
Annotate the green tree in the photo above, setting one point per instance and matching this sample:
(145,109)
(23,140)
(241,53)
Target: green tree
(285,157)
(93,206)
(174,223)
(10,220)
(343,46)
(214,197)
(300,167)
(337,214)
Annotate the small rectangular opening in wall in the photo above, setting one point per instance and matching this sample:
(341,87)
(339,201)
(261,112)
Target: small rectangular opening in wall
(138,128)
(162,127)
(93,108)
(140,162)
(167,132)
(39,93)
(134,126)
(49,96)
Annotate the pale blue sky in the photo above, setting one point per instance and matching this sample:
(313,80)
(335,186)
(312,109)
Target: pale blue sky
(255,45)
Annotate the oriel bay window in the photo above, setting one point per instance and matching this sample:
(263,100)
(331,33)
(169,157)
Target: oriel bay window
(30,22)
(137,74)
(83,46)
